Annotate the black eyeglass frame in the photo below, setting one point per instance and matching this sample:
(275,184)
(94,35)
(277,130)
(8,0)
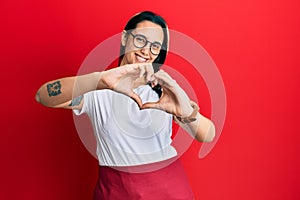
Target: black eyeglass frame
(147,41)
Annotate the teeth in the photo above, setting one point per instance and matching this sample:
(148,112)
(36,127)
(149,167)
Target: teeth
(140,59)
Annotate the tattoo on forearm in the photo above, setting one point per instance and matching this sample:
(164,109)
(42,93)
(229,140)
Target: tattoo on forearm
(54,88)
(76,101)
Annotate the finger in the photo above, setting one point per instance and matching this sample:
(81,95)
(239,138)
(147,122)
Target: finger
(176,120)
(148,105)
(150,72)
(154,82)
(142,70)
(161,82)
(137,99)
(161,74)
(164,78)
(131,71)
(128,68)
(158,80)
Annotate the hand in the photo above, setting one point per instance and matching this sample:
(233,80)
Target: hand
(123,79)
(174,100)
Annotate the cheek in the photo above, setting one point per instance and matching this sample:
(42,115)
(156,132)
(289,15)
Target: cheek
(129,48)
(153,58)
(129,54)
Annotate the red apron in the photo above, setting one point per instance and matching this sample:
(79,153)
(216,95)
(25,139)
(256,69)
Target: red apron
(167,183)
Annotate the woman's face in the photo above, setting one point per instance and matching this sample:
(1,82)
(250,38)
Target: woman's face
(152,32)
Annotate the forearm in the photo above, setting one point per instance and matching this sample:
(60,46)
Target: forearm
(202,129)
(60,91)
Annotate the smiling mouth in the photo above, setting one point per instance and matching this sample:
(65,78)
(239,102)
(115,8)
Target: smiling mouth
(140,58)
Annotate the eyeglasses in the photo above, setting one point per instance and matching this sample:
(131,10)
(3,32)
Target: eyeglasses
(140,41)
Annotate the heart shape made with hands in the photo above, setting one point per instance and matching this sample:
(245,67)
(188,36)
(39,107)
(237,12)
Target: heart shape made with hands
(125,78)
(173,98)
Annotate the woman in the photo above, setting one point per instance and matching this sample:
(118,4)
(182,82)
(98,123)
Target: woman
(134,134)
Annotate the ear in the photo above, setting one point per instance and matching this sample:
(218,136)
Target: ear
(124,38)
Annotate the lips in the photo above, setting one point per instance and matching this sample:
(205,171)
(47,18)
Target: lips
(140,58)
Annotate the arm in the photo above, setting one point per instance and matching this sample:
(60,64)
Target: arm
(202,128)
(175,101)
(197,125)
(67,92)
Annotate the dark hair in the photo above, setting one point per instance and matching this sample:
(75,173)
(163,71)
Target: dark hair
(149,16)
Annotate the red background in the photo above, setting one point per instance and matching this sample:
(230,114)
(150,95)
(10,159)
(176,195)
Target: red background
(255,45)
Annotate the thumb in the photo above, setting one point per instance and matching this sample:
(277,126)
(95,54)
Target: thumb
(148,105)
(137,99)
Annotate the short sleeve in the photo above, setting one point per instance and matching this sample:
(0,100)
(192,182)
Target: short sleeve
(86,106)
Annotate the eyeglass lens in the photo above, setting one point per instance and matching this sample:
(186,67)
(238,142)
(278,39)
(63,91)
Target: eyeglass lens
(140,41)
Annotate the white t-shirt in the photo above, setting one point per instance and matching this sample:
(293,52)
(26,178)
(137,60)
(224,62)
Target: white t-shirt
(125,134)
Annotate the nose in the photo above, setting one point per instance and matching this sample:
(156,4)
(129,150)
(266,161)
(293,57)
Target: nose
(146,49)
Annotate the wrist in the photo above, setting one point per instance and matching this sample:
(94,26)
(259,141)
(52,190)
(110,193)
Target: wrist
(192,117)
(100,83)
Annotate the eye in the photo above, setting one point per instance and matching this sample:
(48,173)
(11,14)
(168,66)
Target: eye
(140,39)
(156,46)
